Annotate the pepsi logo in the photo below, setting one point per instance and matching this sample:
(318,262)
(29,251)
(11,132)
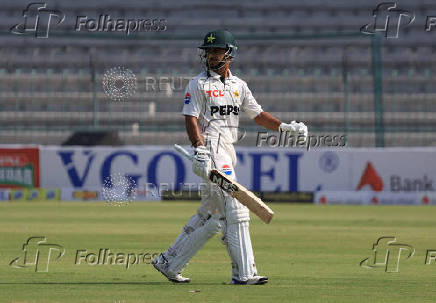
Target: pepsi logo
(187,98)
(227,169)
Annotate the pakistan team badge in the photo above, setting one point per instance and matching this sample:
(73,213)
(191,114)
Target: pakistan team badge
(210,38)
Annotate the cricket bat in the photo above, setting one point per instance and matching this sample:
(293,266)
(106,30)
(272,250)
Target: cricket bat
(236,190)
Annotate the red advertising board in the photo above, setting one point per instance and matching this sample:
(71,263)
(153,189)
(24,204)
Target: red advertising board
(19,167)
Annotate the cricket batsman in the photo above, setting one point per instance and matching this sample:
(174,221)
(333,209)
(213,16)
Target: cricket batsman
(213,100)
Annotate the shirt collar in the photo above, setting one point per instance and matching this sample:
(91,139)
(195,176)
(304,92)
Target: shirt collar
(217,76)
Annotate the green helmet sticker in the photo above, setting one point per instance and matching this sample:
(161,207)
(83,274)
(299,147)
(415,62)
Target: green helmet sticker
(210,38)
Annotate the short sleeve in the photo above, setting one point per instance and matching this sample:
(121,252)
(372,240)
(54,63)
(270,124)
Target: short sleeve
(193,99)
(249,104)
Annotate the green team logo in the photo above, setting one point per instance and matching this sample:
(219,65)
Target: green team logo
(210,38)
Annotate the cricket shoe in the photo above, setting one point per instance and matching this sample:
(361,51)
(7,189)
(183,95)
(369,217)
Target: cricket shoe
(161,264)
(256,280)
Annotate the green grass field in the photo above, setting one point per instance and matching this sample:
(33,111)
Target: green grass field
(310,253)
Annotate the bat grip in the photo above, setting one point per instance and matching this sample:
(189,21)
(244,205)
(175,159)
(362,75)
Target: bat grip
(183,151)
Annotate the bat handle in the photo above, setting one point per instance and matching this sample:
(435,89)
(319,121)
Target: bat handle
(183,151)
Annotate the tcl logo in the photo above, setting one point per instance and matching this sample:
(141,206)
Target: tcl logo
(215,93)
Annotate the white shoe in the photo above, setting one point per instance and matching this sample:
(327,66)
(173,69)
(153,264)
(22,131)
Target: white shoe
(256,280)
(161,264)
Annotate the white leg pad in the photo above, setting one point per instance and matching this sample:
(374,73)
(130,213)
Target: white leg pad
(193,236)
(194,222)
(235,211)
(238,241)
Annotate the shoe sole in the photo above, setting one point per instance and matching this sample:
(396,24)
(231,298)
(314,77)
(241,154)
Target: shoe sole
(171,280)
(261,281)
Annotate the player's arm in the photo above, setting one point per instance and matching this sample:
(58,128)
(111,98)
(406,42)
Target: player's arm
(193,131)
(268,121)
(265,119)
(194,101)
(201,163)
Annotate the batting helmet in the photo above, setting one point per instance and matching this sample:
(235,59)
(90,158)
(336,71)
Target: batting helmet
(220,39)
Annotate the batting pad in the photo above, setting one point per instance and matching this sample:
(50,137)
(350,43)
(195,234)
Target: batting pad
(193,236)
(238,242)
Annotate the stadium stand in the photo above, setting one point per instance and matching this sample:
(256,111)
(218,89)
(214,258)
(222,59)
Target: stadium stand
(52,87)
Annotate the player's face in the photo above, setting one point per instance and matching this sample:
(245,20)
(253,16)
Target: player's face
(214,56)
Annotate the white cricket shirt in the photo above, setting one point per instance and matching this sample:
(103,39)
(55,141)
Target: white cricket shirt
(217,105)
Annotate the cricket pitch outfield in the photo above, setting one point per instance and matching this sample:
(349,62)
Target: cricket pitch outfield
(94,252)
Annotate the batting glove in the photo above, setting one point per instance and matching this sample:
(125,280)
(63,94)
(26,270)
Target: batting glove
(201,163)
(295,128)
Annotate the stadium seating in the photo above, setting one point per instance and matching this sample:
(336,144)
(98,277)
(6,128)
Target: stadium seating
(46,85)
